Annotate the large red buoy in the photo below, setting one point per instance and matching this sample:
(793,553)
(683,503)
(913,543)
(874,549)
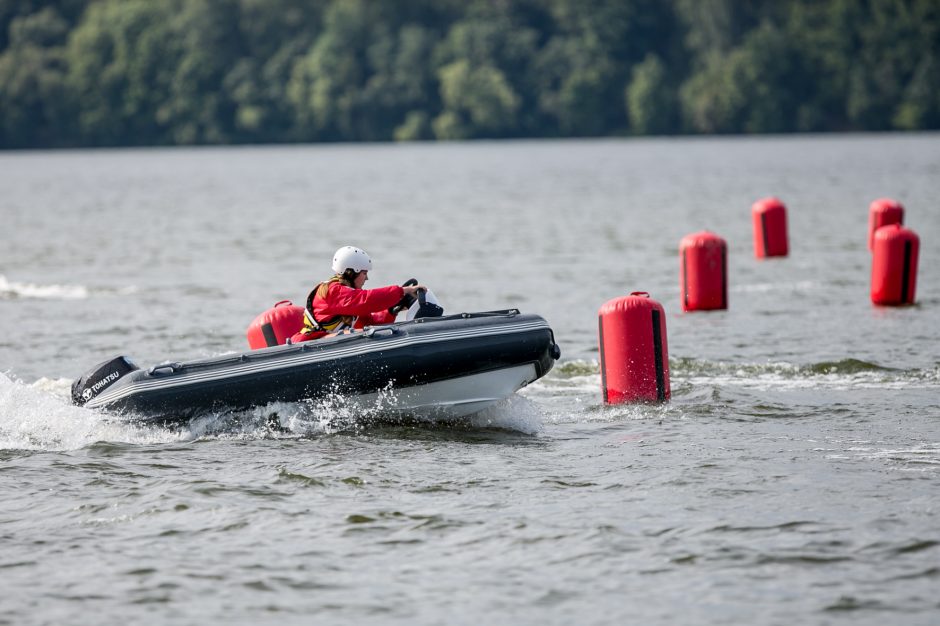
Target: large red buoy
(276,325)
(882,212)
(703,272)
(769,216)
(894,265)
(634,357)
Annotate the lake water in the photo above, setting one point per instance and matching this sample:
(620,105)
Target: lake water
(794,478)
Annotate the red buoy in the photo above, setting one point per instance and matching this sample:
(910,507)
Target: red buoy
(276,325)
(769,216)
(634,357)
(703,272)
(894,265)
(882,212)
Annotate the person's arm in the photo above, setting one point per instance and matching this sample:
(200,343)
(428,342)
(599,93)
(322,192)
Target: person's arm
(345,300)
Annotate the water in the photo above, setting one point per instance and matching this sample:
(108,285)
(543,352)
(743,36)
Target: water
(794,477)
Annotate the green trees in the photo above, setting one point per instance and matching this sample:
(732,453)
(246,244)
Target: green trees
(142,72)
(146,72)
(651,100)
(33,95)
(899,45)
(755,87)
(365,73)
(481,64)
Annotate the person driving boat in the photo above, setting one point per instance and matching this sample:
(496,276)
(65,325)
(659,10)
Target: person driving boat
(340,303)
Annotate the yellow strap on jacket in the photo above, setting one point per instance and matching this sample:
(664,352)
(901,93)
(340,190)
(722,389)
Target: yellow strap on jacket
(335,323)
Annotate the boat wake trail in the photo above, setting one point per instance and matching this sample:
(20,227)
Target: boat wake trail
(583,377)
(340,414)
(516,413)
(10,290)
(39,416)
(848,373)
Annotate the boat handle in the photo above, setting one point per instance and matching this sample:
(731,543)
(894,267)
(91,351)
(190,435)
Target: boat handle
(383,331)
(169,365)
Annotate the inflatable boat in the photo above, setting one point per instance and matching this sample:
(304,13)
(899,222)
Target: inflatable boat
(431,367)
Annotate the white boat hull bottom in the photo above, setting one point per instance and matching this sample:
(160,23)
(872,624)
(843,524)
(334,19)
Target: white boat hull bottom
(449,399)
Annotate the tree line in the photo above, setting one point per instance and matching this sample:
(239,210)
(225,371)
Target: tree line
(164,72)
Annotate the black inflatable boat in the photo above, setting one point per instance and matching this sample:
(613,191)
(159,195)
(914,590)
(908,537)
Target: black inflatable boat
(441,367)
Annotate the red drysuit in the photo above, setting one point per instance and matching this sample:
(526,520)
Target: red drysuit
(346,307)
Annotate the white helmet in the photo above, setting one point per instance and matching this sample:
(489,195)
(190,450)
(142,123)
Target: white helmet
(350,257)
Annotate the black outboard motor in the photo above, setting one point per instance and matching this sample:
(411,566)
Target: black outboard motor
(99,378)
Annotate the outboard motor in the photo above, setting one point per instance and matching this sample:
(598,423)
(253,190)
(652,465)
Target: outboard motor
(99,378)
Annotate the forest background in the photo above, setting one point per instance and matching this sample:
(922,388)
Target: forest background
(182,72)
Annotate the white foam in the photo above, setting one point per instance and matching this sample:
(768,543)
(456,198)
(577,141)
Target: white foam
(923,457)
(787,376)
(324,416)
(801,285)
(514,413)
(337,412)
(778,380)
(333,413)
(40,417)
(48,292)
(16,290)
(926,454)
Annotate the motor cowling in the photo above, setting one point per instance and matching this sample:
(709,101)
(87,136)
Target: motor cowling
(276,325)
(100,377)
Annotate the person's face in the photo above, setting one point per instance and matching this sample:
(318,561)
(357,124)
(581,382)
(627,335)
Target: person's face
(361,279)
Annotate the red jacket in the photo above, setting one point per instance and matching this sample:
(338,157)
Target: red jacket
(368,306)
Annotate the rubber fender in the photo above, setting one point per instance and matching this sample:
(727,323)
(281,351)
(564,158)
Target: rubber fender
(703,272)
(883,212)
(633,350)
(276,325)
(895,253)
(769,217)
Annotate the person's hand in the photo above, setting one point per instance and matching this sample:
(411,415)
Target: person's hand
(412,290)
(409,296)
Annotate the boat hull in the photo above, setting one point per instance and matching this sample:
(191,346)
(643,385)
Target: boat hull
(449,399)
(454,365)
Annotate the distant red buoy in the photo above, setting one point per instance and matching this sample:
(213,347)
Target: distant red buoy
(894,265)
(769,217)
(633,350)
(276,325)
(882,212)
(703,272)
